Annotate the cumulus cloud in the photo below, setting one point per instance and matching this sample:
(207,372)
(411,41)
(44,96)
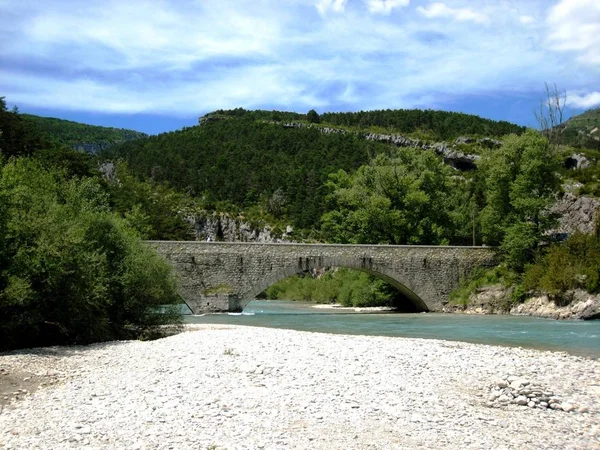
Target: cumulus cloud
(441,10)
(574,25)
(526,20)
(188,57)
(338,6)
(583,100)
(385,6)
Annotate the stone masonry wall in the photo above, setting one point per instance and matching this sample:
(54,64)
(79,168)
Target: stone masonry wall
(225,276)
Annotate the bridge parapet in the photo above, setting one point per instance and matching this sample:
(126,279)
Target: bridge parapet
(225,276)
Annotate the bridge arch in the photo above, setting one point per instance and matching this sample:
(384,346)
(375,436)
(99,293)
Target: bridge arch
(224,276)
(382,273)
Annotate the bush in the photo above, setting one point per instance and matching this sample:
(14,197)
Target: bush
(345,286)
(71,271)
(572,264)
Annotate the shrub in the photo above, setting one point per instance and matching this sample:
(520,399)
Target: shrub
(572,264)
(71,271)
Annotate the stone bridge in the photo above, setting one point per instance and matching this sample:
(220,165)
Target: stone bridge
(225,276)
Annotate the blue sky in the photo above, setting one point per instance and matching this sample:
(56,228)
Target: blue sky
(157,66)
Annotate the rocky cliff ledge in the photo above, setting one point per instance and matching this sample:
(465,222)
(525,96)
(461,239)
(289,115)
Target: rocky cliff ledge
(495,299)
(576,214)
(448,151)
(578,305)
(222,227)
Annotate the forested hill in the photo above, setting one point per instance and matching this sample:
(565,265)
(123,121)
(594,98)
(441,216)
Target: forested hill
(428,124)
(583,130)
(89,138)
(248,158)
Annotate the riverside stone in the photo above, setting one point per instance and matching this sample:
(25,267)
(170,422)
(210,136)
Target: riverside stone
(305,403)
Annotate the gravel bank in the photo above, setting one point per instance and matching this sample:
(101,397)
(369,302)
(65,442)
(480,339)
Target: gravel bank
(240,387)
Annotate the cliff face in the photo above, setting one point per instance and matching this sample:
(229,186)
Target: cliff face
(221,227)
(495,299)
(576,214)
(448,151)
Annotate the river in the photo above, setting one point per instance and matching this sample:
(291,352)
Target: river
(572,336)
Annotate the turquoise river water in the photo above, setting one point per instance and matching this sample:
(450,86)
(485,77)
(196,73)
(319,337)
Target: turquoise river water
(572,336)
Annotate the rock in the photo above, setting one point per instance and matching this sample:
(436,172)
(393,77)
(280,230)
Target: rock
(567,407)
(577,161)
(516,384)
(531,404)
(221,227)
(580,305)
(521,400)
(504,398)
(576,213)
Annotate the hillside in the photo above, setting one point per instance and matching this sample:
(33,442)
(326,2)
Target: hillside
(89,138)
(583,130)
(281,161)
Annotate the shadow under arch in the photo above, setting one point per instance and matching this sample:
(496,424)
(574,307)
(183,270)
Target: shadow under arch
(286,272)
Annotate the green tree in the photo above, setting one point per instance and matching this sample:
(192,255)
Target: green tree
(71,271)
(398,199)
(313,117)
(521,180)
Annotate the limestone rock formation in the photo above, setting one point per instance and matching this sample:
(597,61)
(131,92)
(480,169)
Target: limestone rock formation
(222,227)
(577,161)
(576,214)
(580,305)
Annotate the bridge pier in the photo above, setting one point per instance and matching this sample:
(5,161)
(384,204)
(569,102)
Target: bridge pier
(225,276)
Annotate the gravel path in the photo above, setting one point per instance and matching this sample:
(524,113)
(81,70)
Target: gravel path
(241,387)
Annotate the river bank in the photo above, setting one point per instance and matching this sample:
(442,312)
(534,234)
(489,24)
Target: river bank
(243,387)
(575,304)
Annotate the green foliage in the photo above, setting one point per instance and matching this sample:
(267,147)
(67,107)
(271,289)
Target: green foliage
(440,125)
(480,278)
(521,180)
(247,158)
(572,264)
(313,117)
(579,130)
(152,208)
(398,199)
(71,271)
(344,286)
(16,138)
(74,134)
(248,163)
(589,178)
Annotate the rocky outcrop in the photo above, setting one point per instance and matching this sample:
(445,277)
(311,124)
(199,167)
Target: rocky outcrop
(576,214)
(221,227)
(577,161)
(449,152)
(491,299)
(576,304)
(496,299)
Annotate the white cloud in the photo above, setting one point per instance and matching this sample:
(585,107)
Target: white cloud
(574,25)
(338,6)
(526,20)
(385,6)
(182,58)
(441,10)
(583,101)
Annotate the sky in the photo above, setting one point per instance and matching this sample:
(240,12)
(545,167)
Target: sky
(156,66)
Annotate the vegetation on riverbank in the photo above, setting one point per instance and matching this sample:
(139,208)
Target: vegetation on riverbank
(343,286)
(322,177)
(71,270)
